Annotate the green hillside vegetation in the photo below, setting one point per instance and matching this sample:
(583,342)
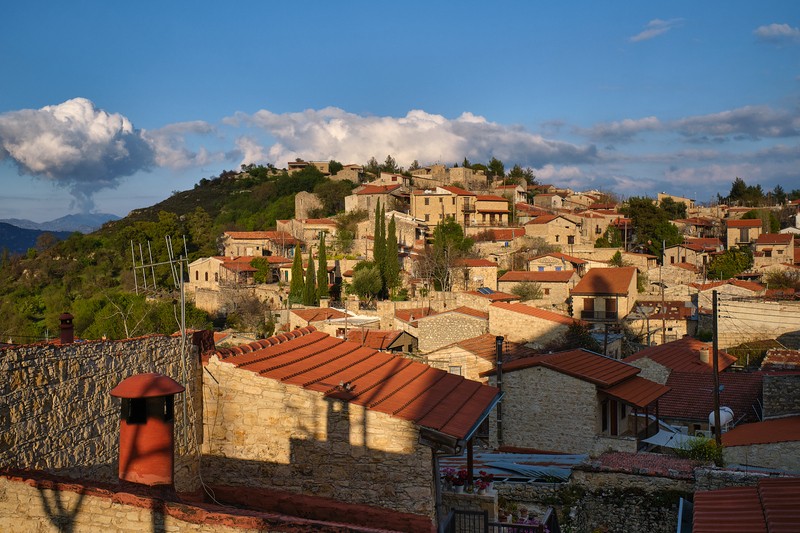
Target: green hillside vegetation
(91,275)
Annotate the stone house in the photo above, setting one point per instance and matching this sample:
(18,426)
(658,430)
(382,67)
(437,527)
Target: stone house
(697,252)
(473,274)
(683,355)
(366,197)
(490,210)
(554,284)
(695,226)
(315,415)
(309,230)
(739,232)
(471,357)
(449,326)
(408,319)
(773,444)
(395,340)
(730,288)
(643,262)
(312,316)
(211,272)
(436,205)
(773,249)
(522,323)
(688,202)
(605,294)
(593,225)
(389,179)
(514,193)
(581,200)
(575,401)
(352,173)
(658,322)
(259,243)
(557,261)
(548,201)
(554,229)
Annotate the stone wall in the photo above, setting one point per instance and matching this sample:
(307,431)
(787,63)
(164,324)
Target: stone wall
(469,364)
(305,203)
(748,320)
(265,433)
(520,327)
(781,395)
(58,415)
(652,370)
(777,455)
(440,330)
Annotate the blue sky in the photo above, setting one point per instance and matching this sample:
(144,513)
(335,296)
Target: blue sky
(108,107)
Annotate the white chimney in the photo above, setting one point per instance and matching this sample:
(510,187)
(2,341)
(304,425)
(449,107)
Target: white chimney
(705,355)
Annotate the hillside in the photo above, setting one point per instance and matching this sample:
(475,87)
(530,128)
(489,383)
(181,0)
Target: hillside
(17,240)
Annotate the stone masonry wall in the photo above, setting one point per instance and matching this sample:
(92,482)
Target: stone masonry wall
(781,395)
(266,433)
(547,410)
(57,414)
(748,320)
(652,370)
(519,327)
(441,330)
(778,455)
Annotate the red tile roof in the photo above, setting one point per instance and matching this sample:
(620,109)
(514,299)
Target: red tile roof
(752,223)
(775,238)
(476,263)
(485,346)
(377,339)
(535,312)
(490,198)
(545,276)
(766,432)
(778,359)
(691,397)
(543,219)
(377,189)
(458,190)
(507,234)
(563,257)
(238,264)
(315,314)
(496,296)
(773,506)
(379,381)
(637,391)
(683,355)
(281,237)
(411,315)
(581,364)
(749,285)
(606,281)
(652,464)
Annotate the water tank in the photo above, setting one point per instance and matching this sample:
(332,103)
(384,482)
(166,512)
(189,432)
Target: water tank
(725,415)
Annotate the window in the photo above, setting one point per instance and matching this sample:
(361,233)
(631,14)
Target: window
(558,269)
(541,269)
(547,291)
(197,275)
(455,370)
(206,276)
(216,276)
(427,217)
(454,200)
(570,239)
(557,237)
(441,200)
(427,201)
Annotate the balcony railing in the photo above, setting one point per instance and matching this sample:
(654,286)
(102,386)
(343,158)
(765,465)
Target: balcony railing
(599,315)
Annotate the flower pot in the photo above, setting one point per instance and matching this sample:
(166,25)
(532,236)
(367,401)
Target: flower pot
(458,489)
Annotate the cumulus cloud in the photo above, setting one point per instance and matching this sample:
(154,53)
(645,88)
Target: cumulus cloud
(655,28)
(332,133)
(778,34)
(622,131)
(750,122)
(170,148)
(74,145)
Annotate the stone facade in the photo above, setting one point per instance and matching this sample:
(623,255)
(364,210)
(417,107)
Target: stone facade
(744,321)
(521,327)
(446,328)
(264,433)
(781,394)
(777,455)
(58,416)
(305,203)
(457,360)
(652,370)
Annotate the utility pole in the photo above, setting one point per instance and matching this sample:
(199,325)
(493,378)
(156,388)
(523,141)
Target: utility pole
(715,350)
(661,282)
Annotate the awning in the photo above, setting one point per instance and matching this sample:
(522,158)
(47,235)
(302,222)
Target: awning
(668,439)
(637,391)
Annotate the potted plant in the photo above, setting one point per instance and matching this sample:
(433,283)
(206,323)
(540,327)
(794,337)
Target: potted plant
(487,479)
(460,480)
(449,477)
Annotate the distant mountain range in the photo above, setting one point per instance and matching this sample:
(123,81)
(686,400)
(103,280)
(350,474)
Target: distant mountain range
(17,235)
(84,222)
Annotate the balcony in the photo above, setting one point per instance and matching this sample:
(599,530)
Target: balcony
(468,208)
(599,316)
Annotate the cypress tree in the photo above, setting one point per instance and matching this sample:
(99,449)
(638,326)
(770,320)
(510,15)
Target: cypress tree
(310,290)
(296,286)
(392,264)
(322,272)
(385,253)
(379,242)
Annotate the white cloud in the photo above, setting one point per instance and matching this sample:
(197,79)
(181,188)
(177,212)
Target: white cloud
(333,133)
(170,145)
(745,122)
(778,33)
(623,130)
(655,28)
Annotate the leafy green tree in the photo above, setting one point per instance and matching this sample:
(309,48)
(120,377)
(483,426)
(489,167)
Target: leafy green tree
(332,194)
(496,168)
(730,263)
(310,289)
(769,222)
(392,268)
(322,272)
(372,167)
(779,195)
(517,173)
(527,290)
(334,167)
(673,209)
(263,273)
(367,283)
(612,238)
(297,284)
(414,165)
(653,228)
(390,165)
(449,246)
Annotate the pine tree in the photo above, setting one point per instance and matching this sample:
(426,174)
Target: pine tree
(322,272)
(392,264)
(310,290)
(297,286)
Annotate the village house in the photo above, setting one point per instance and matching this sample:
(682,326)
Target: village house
(473,274)
(594,224)
(471,357)
(299,164)
(317,415)
(366,197)
(522,323)
(695,226)
(554,284)
(309,230)
(688,202)
(312,316)
(605,294)
(696,252)
(557,261)
(259,243)
(580,200)
(772,249)
(449,326)
(408,319)
(515,193)
(683,355)
(575,401)
(659,322)
(439,204)
(394,340)
(554,229)
(741,232)
(643,262)
(490,210)
(548,201)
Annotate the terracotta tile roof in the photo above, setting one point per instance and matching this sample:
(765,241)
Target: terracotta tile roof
(691,395)
(496,296)
(464,310)
(484,346)
(777,359)
(773,506)
(564,257)
(238,264)
(535,312)
(476,263)
(529,209)
(458,190)
(411,315)
(606,281)
(377,189)
(507,234)
(317,314)
(379,381)
(377,339)
(683,355)
(775,238)
(543,219)
(753,223)
(581,364)
(490,198)
(281,237)
(749,285)
(546,276)
(506,187)
(706,242)
(766,432)
(687,266)
(637,391)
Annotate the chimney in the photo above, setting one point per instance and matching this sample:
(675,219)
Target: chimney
(705,355)
(146,429)
(67,329)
